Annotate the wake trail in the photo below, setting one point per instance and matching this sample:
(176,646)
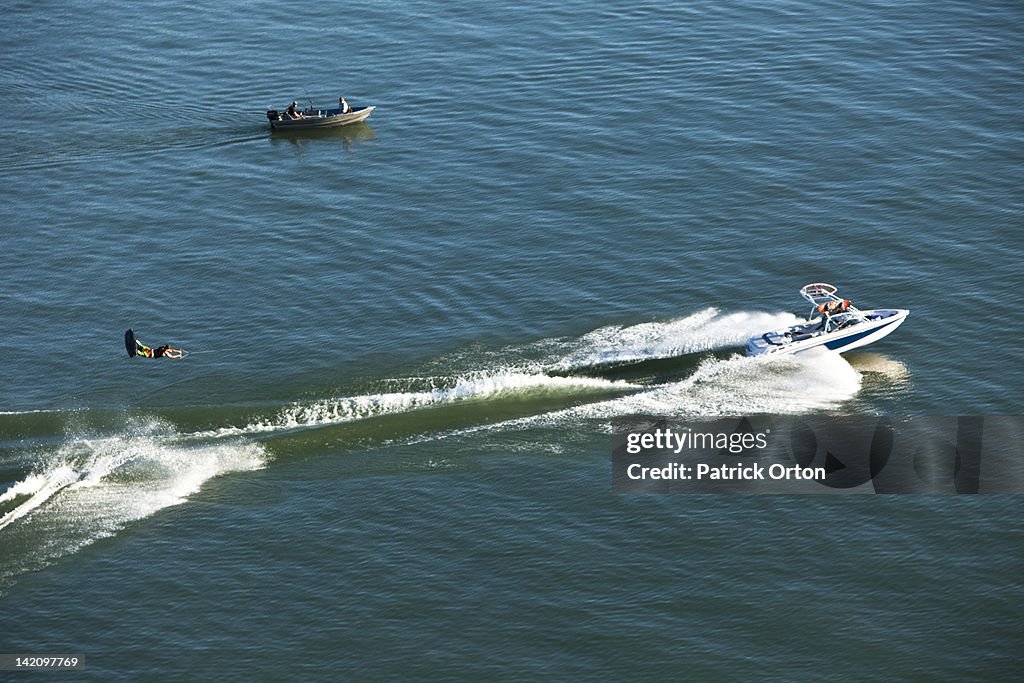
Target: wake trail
(39,487)
(478,387)
(523,372)
(93,487)
(89,488)
(706,330)
(735,386)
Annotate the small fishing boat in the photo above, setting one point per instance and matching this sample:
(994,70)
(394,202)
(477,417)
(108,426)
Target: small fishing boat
(311,118)
(834,324)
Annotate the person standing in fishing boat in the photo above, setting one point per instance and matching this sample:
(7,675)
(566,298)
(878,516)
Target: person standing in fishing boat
(343,107)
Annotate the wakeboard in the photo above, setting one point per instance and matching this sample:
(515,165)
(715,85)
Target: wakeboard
(129,343)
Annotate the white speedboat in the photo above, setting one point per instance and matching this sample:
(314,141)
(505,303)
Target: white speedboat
(317,118)
(834,324)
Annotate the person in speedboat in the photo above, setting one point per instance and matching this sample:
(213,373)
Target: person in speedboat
(343,107)
(829,308)
(292,113)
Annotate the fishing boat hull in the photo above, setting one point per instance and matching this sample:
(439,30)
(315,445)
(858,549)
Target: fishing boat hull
(318,118)
(879,323)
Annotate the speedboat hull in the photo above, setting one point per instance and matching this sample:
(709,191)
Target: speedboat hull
(877,324)
(315,119)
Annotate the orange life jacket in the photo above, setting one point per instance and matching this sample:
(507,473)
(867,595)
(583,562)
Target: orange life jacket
(830,307)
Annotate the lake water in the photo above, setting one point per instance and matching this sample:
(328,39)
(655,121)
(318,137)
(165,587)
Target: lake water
(387,454)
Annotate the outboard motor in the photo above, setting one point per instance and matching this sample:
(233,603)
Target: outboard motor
(273,115)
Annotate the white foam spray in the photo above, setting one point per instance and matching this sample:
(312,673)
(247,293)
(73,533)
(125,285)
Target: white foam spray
(817,380)
(706,330)
(474,387)
(92,487)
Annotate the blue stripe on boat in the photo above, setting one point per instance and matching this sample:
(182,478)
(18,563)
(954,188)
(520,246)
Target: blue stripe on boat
(840,343)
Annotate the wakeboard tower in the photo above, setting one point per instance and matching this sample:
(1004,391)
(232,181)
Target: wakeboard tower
(834,323)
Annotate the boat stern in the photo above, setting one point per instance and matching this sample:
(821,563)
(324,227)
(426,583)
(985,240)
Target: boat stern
(758,345)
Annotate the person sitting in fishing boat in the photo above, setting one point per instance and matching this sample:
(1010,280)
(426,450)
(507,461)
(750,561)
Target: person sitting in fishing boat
(343,107)
(292,113)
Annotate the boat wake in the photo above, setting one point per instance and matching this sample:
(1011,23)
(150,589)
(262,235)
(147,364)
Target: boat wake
(733,386)
(475,387)
(90,488)
(740,385)
(706,330)
(82,488)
